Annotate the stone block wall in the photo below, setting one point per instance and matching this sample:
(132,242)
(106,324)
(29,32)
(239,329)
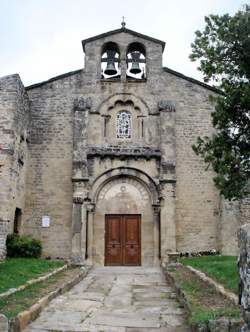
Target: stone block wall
(49,185)
(244,271)
(197,199)
(14,120)
(3,233)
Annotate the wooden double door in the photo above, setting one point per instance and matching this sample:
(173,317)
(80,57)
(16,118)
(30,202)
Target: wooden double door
(123,240)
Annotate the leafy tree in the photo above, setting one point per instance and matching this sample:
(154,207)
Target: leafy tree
(223,49)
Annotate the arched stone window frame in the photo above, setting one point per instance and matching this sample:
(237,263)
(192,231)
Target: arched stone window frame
(139,109)
(124,124)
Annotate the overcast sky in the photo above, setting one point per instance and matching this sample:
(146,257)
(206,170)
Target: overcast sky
(40,39)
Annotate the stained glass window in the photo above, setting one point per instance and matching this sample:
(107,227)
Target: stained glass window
(123,124)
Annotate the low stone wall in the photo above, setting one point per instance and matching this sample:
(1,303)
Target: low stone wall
(3,235)
(214,325)
(18,323)
(244,271)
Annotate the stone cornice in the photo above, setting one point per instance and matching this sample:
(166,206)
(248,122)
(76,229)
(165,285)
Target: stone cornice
(117,151)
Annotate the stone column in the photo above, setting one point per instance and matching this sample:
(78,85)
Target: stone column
(80,177)
(168,226)
(157,249)
(244,272)
(77,257)
(83,231)
(90,228)
(167,178)
(80,137)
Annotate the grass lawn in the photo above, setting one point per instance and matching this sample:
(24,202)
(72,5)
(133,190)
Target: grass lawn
(15,272)
(223,269)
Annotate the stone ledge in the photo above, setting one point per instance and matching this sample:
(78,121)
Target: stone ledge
(18,323)
(33,281)
(219,288)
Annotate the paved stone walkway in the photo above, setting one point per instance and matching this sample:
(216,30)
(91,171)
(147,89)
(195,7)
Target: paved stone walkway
(115,299)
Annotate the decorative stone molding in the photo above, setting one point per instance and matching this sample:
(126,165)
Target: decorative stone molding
(125,172)
(168,167)
(82,104)
(77,200)
(166,105)
(117,151)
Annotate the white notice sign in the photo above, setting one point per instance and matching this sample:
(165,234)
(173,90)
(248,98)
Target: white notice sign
(45,221)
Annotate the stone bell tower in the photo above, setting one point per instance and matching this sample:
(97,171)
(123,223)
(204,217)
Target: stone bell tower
(124,154)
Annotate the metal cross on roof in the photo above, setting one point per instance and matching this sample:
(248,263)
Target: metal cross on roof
(123,22)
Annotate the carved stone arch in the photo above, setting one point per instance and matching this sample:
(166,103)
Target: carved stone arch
(126,192)
(125,99)
(132,173)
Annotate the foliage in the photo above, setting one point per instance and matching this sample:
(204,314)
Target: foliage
(223,49)
(23,246)
(221,268)
(15,272)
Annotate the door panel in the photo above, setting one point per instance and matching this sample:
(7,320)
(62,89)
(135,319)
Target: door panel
(113,254)
(131,240)
(123,240)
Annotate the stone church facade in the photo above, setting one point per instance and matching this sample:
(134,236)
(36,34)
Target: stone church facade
(98,163)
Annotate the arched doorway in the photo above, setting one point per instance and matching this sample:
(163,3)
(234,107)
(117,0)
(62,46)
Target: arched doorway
(125,229)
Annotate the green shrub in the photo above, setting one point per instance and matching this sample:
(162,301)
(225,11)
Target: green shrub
(23,246)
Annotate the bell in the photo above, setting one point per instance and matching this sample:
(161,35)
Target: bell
(110,69)
(135,68)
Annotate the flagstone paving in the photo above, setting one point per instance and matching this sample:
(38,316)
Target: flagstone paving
(115,299)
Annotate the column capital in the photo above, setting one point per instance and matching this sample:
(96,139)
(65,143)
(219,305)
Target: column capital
(77,200)
(156,208)
(90,207)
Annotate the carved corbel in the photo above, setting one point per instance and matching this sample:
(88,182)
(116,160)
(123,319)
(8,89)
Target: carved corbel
(82,104)
(166,106)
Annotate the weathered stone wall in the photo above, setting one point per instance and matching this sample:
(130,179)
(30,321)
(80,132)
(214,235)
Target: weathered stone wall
(14,120)
(232,216)
(245,209)
(229,223)
(50,170)
(3,233)
(197,199)
(244,266)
